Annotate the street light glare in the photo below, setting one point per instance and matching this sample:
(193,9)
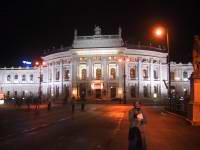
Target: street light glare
(159,31)
(36,63)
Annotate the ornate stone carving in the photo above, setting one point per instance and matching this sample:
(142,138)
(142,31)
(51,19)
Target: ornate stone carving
(196,55)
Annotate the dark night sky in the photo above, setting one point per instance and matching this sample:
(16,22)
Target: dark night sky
(29,26)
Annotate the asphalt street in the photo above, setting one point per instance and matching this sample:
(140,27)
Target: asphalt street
(99,127)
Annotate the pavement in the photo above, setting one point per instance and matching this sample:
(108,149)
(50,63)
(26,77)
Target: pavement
(98,127)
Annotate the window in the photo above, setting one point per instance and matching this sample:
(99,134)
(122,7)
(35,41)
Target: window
(185,75)
(41,77)
(57,75)
(23,77)
(145,91)
(15,94)
(31,77)
(8,77)
(83,71)
(145,74)
(155,74)
(8,94)
(133,91)
(155,89)
(98,73)
(16,77)
(113,73)
(172,75)
(66,75)
(132,73)
(83,74)
(23,93)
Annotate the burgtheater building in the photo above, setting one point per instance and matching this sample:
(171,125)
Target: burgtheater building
(99,66)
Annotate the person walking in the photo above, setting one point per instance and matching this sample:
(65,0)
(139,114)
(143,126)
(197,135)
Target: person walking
(73,104)
(82,101)
(136,120)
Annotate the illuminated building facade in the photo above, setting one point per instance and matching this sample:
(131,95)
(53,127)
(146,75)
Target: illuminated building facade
(94,67)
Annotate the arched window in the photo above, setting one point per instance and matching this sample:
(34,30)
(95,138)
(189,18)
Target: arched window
(31,77)
(66,74)
(83,74)
(98,73)
(155,74)
(145,74)
(185,75)
(132,73)
(8,77)
(16,77)
(23,77)
(113,73)
(57,75)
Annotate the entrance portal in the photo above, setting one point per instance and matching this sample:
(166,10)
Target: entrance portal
(113,92)
(98,93)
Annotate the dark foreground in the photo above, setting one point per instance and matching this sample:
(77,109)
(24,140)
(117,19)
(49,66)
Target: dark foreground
(99,127)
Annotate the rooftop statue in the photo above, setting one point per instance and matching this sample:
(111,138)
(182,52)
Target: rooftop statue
(97,30)
(196,54)
(75,34)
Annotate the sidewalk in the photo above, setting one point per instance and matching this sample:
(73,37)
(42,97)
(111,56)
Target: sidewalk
(162,132)
(25,107)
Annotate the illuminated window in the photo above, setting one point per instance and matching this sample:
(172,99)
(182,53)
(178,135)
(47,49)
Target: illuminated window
(83,71)
(16,77)
(83,74)
(31,77)
(98,73)
(23,77)
(8,77)
(132,73)
(172,75)
(113,73)
(145,74)
(66,75)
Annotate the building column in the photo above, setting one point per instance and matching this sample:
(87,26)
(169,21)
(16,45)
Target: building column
(74,77)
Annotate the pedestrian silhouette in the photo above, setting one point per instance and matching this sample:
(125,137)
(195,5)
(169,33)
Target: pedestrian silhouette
(136,119)
(73,104)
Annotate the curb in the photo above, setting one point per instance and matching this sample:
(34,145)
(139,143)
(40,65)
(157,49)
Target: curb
(179,116)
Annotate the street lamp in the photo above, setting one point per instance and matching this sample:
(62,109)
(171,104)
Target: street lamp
(40,64)
(160,32)
(124,60)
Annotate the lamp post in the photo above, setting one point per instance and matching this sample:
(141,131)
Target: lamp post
(159,32)
(40,64)
(124,60)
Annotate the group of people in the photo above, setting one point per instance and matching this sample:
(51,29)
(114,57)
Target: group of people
(136,125)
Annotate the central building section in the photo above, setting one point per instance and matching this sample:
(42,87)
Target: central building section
(96,63)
